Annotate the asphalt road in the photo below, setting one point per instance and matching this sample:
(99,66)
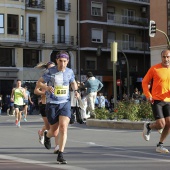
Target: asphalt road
(86,149)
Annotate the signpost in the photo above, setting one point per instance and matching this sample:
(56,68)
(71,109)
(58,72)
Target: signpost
(118,82)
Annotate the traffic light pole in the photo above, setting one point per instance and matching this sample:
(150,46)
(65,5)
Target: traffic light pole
(168,42)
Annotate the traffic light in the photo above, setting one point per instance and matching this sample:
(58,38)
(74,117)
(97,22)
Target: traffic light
(152,28)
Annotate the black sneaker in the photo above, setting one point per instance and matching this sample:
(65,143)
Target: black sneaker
(61,160)
(47,142)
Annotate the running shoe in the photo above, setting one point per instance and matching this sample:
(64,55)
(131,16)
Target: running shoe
(146,131)
(41,138)
(16,122)
(60,159)
(25,119)
(161,149)
(19,125)
(47,142)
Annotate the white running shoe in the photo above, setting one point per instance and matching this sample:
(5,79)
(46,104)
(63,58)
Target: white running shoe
(146,132)
(161,149)
(41,138)
(19,125)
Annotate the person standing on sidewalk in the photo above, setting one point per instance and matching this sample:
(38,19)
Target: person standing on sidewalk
(159,97)
(93,85)
(58,107)
(18,94)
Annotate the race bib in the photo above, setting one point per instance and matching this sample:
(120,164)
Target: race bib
(61,91)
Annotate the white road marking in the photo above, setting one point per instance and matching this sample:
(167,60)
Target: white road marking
(46,164)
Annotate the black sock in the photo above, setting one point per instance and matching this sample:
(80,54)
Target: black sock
(60,153)
(160,143)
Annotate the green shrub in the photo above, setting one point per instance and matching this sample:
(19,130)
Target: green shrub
(127,110)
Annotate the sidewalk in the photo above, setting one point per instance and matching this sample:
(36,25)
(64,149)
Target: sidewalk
(114,124)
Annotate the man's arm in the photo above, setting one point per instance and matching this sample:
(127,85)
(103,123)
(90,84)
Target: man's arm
(75,88)
(41,84)
(12,95)
(37,90)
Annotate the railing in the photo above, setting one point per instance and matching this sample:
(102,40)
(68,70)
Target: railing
(131,45)
(61,39)
(63,7)
(121,19)
(145,1)
(37,4)
(35,37)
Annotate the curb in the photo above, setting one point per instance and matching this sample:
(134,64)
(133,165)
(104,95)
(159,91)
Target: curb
(115,124)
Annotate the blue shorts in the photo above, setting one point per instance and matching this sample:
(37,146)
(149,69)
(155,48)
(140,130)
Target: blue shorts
(25,102)
(53,111)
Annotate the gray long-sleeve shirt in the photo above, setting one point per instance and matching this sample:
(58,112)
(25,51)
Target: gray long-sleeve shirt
(93,85)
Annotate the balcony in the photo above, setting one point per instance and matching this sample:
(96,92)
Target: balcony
(63,7)
(145,2)
(61,39)
(121,20)
(130,46)
(35,4)
(35,37)
(11,40)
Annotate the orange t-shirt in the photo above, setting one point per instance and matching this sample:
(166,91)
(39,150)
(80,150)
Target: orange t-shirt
(161,83)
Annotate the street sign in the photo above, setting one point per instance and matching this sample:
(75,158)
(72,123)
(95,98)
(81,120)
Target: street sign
(118,82)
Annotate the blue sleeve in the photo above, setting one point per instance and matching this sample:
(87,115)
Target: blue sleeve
(72,76)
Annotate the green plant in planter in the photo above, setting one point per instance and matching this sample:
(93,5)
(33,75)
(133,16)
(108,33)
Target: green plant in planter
(145,111)
(127,110)
(102,113)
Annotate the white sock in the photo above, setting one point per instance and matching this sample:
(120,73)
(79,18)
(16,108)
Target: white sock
(56,148)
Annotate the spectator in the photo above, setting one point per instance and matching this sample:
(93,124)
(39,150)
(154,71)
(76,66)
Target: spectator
(93,85)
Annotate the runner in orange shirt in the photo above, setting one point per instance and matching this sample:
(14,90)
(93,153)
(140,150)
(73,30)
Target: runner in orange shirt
(159,97)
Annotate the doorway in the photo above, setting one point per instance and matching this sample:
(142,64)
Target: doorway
(6,89)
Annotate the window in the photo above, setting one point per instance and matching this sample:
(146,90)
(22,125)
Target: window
(1,23)
(111,37)
(61,5)
(7,58)
(61,31)
(91,63)
(22,25)
(31,57)
(12,24)
(97,35)
(96,9)
(32,29)
(129,42)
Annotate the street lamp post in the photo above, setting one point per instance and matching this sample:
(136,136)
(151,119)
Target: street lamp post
(114,60)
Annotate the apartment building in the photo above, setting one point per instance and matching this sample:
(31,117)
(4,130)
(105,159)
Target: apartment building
(160,13)
(106,21)
(32,31)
